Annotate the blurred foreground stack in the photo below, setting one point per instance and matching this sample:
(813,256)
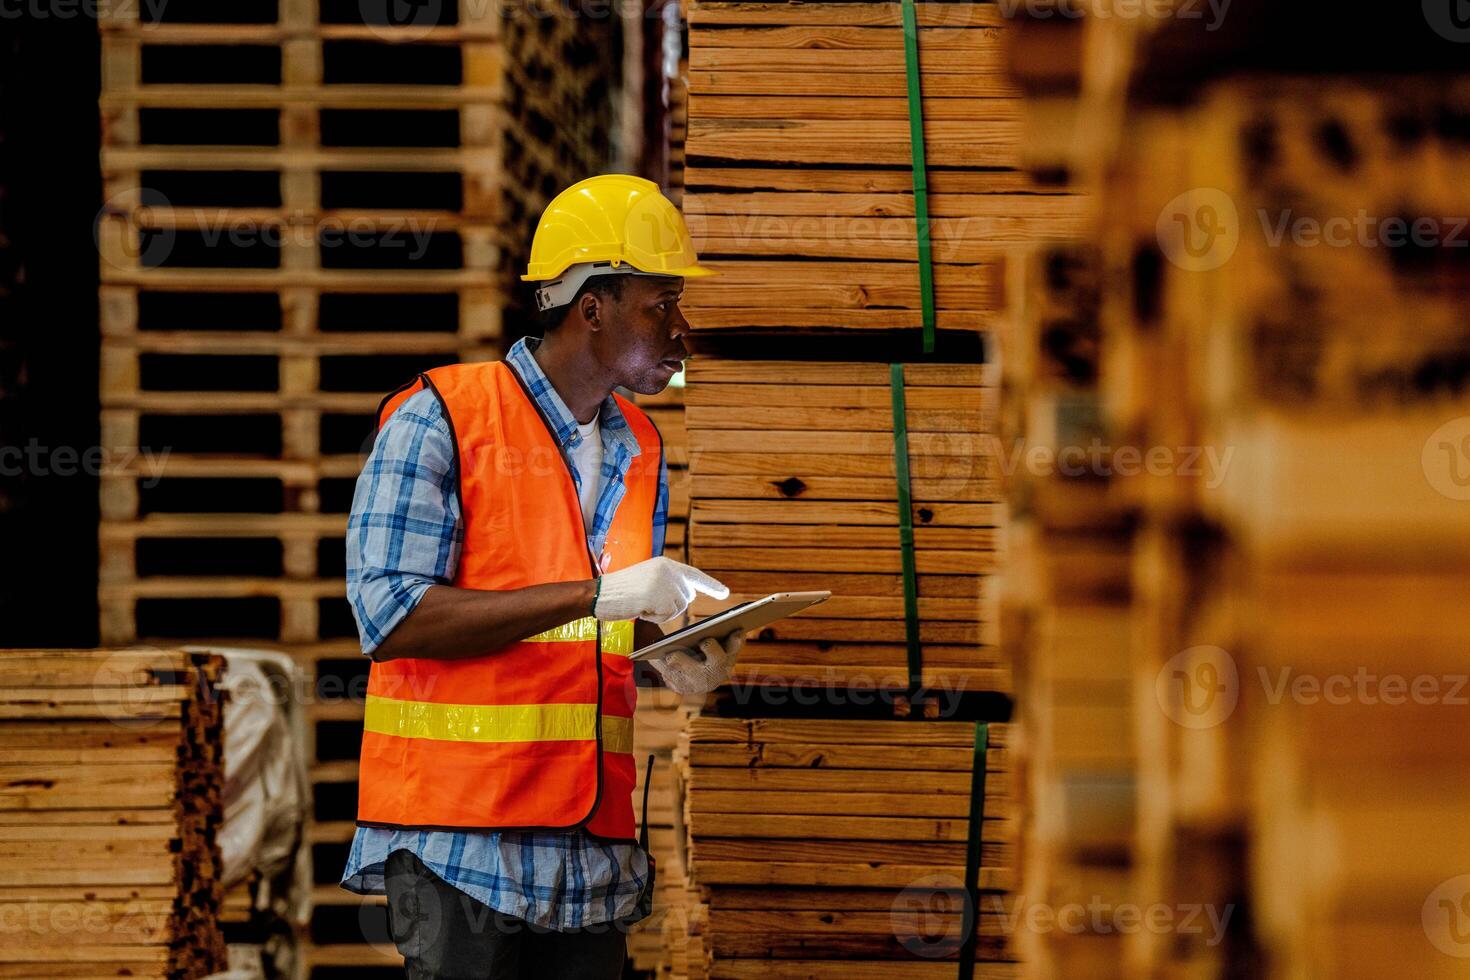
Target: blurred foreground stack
(112,777)
(1276,367)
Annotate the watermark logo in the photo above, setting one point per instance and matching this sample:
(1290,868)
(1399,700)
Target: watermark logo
(1199,230)
(401,20)
(931,917)
(126,237)
(1446,459)
(1199,687)
(1446,917)
(1449,18)
(1211,13)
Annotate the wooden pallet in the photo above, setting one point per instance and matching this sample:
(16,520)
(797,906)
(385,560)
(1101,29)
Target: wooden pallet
(806,844)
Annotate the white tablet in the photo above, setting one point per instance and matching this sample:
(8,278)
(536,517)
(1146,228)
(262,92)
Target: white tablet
(747,616)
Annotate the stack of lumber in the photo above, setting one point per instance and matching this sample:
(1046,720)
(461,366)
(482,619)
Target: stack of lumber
(658,720)
(798,160)
(837,848)
(1066,616)
(793,488)
(109,804)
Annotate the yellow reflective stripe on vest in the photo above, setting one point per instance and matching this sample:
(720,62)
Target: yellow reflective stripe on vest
(495,722)
(617,638)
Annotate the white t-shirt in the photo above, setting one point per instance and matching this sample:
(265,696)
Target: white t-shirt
(587,458)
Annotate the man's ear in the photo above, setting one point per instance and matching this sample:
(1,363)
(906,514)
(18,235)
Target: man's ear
(592,308)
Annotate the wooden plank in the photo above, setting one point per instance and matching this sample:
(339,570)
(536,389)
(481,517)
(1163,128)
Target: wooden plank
(974,542)
(939,400)
(889,586)
(62,787)
(865,655)
(849,373)
(924,492)
(952,143)
(945,471)
(837,418)
(757,318)
(951,15)
(913,815)
(790,50)
(824,513)
(826,755)
(832,180)
(820,80)
(798,35)
(819,781)
(843,285)
(857,109)
(877,874)
(817,204)
(775,731)
(783,441)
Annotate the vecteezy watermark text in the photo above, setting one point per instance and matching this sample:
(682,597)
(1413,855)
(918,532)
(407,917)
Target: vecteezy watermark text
(34,459)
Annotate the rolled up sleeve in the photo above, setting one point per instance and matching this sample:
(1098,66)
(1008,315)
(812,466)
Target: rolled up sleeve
(404,533)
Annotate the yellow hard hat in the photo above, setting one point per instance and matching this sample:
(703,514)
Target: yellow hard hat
(613,218)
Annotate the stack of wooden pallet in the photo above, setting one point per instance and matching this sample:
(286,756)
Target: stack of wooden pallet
(1066,616)
(798,166)
(300,216)
(838,848)
(110,797)
(793,486)
(305,207)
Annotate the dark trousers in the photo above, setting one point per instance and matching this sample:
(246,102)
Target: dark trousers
(444,934)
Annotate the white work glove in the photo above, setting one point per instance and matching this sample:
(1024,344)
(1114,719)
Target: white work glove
(656,590)
(687,671)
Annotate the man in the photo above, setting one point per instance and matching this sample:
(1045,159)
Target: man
(504,557)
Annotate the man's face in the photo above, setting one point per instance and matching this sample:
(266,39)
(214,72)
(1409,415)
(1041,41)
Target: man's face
(642,337)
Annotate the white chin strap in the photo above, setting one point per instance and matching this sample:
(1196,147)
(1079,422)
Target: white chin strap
(562,290)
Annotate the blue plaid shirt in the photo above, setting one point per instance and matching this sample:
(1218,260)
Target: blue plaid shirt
(404,535)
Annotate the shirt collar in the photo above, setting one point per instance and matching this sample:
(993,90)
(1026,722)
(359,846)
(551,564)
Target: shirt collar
(614,426)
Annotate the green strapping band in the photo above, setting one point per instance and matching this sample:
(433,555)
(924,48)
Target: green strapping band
(972,850)
(906,528)
(921,179)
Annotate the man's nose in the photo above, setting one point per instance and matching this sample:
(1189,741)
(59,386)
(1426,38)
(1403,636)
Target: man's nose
(680,326)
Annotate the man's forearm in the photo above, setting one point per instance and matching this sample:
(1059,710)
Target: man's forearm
(450,623)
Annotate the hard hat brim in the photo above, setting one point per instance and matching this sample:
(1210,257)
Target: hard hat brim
(688,272)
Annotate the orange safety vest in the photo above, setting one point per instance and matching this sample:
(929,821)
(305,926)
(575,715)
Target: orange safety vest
(537,735)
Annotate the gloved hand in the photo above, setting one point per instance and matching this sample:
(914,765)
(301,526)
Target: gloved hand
(687,671)
(656,590)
